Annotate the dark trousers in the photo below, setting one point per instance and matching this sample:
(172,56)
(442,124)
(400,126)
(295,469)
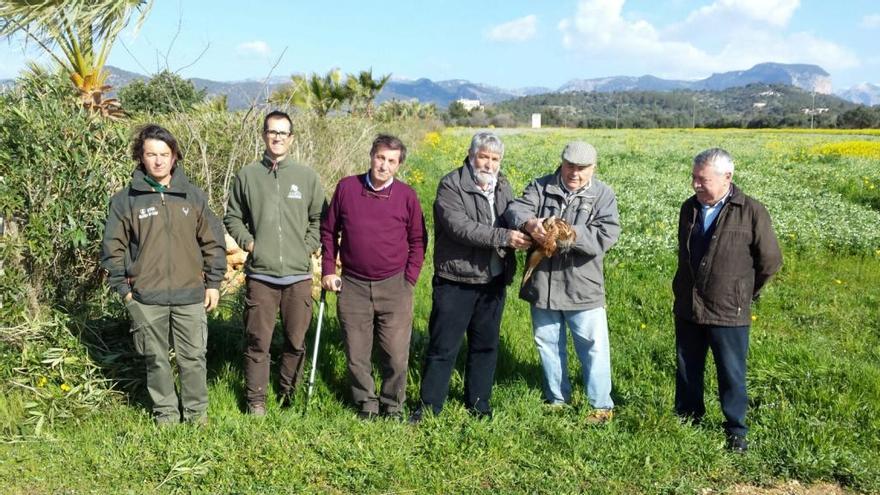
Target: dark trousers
(458,309)
(730,347)
(263,300)
(380,309)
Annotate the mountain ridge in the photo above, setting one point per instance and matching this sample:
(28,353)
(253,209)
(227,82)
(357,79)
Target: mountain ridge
(243,93)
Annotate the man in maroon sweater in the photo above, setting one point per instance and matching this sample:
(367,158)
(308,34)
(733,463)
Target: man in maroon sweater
(382,248)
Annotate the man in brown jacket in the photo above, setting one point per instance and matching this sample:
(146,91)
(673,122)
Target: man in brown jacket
(727,251)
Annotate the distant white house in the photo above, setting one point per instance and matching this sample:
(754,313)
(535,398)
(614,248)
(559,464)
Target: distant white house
(759,104)
(536,121)
(470,104)
(814,111)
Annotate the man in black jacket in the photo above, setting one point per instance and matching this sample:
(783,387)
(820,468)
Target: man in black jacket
(473,264)
(727,252)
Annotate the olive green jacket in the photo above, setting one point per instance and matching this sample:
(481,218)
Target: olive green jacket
(280,212)
(164,248)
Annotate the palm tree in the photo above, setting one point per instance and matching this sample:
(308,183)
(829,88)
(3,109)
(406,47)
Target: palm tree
(364,89)
(78,35)
(321,94)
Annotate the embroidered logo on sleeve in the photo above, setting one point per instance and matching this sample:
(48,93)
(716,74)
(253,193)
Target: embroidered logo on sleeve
(185,210)
(294,192)
(147,212)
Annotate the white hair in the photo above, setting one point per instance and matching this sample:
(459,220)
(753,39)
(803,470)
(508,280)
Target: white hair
(486,141)
(719,159)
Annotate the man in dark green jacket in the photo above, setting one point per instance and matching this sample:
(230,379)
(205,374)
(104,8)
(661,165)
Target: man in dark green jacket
(727,252)
(274,213)
(165,256)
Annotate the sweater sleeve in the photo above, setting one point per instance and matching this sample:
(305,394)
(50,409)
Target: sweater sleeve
(330,229)
(417,237)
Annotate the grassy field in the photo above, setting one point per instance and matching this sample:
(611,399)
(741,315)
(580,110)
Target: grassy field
(814,368)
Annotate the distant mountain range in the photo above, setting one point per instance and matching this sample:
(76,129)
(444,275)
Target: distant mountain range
(241,94)
(865,94)
(808,77)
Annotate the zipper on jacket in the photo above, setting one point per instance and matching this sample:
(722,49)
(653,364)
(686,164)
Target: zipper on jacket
(167,257)
(280,231)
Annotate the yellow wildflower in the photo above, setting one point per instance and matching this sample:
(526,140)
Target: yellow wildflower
(754,318)
(432,138)
(643,326)
(838,281)
(42,382)
(65,387)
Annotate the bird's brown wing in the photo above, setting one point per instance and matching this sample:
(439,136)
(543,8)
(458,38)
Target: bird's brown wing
(533,261)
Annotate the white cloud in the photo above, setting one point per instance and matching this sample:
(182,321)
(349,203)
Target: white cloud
(871,21)
(258,48)
(773,12)
(725,35)
(522,29)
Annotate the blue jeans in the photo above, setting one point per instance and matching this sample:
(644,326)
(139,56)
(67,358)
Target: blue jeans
(589,329)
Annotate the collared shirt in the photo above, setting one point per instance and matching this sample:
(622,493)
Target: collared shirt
(568,193)
(371,186)
(709,213)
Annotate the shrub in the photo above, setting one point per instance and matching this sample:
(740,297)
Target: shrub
(166,92)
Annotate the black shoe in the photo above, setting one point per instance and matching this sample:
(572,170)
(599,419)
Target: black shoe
(737,444)
(396,416)
(416,416)
(285,400)
(367,415)
(481,415)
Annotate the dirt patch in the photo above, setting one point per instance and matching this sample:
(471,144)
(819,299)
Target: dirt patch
(788,488)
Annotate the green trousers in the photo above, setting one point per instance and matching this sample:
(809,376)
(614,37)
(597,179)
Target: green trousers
(155,329)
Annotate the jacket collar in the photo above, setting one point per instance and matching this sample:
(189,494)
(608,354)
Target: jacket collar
(736,197)
(269,164)
(555,187)
(179,181)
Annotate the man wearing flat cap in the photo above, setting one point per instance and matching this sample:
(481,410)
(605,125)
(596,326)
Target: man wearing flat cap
(567,289)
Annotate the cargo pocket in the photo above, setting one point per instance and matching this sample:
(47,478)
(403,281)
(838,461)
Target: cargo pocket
(138,322)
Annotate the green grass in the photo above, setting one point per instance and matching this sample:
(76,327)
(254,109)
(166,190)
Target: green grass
(814,367)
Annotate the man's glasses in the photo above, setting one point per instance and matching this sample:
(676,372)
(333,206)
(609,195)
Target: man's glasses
(278,134)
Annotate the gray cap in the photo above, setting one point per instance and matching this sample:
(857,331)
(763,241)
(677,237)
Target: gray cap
(579,153)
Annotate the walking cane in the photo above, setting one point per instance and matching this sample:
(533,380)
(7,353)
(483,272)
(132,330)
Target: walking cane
(318,341)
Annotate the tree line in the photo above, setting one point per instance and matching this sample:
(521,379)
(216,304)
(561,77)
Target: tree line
(752,106)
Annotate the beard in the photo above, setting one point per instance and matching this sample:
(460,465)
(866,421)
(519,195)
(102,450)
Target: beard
(486,180)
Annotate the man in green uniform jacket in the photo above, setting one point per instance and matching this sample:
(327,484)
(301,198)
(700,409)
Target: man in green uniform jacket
(165,256)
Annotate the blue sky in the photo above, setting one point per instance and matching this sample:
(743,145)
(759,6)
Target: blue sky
(513,43)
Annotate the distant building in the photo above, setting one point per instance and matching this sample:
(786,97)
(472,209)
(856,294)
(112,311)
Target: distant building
(814,111)
(536,121)
(470,104)
(759,104)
